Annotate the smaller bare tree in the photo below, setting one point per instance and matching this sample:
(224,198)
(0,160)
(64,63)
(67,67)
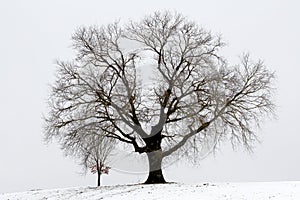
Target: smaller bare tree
(94,153)
(91,146)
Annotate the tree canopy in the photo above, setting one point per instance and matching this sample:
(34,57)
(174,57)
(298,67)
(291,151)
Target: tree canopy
(192,100)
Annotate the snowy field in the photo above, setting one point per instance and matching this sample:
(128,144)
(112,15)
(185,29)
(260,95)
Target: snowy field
(223,191)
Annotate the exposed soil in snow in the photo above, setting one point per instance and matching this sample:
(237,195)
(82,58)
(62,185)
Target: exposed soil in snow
(203,191)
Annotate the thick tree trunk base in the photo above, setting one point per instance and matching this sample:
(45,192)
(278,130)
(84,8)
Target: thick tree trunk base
(155,177)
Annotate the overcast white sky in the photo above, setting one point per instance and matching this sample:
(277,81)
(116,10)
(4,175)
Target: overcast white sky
(34,33)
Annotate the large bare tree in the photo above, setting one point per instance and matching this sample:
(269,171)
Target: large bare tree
(193,100)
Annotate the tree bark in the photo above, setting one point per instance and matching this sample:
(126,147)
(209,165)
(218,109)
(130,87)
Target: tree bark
(155,172)
(98,179)
(99,167)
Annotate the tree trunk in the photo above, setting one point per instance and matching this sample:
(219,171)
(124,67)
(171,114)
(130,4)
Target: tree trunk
(155,173)
(98,180)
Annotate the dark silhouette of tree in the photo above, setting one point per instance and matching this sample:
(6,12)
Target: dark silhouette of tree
(194,99)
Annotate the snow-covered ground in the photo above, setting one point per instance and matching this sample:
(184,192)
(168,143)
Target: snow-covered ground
(203,191)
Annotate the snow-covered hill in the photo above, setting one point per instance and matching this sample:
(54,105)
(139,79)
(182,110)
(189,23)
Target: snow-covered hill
(209,191)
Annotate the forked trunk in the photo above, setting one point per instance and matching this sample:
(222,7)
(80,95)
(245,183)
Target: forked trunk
(155,172)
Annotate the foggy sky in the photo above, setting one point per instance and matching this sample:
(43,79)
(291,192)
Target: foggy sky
(35,33)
